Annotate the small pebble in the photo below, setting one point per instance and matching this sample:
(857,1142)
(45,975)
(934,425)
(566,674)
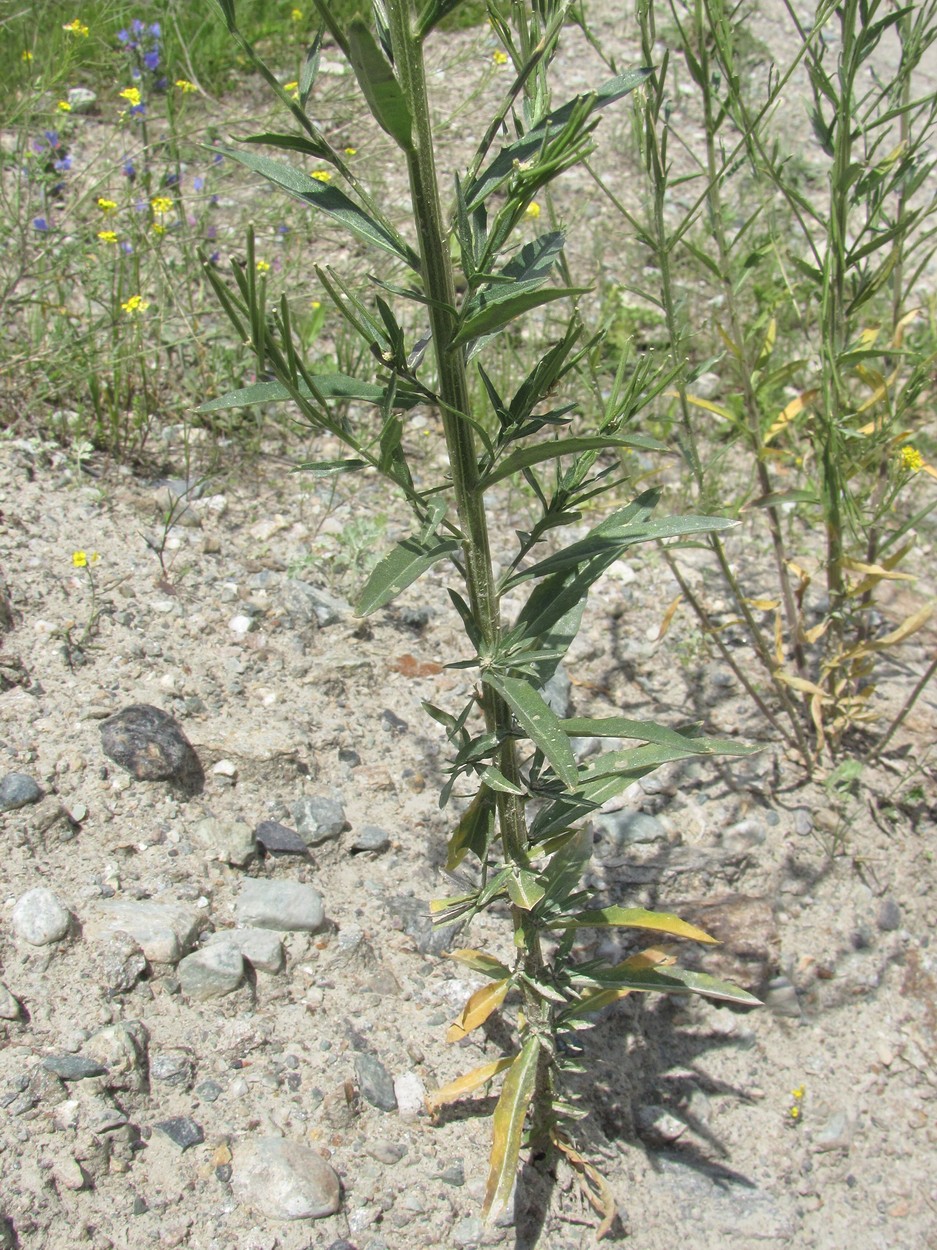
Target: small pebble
(318,818)
(182,1130)
(279,839)
(211,972)
(73,1067)
(889,916)
(209,1091)
(370,838)
(375,1082)
(40,918)
(18,790)
(9,1006)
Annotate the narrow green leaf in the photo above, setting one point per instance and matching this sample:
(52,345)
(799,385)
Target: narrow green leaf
(329,385)
(504,163)
(494,315)
(379,84)
(631,918)
(310,69)
(325,468)
(306,144)
(674,981)
(525,889)
(329,200)
(480,961)
(402,565)
(474,830)
(535,453)
(539,722)
(496,780)
(508,1126)
(646,731)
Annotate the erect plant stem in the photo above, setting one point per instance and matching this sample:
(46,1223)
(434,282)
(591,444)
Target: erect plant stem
(463,461)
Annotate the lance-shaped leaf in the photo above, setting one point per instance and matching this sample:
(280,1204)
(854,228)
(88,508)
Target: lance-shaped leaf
(329,200)
(592,1000)
(474,830)
(524,888)
(508,1126)
(631,918)
(504,163)
(402,565)
(328,385)
(478,1008)
(466,1084)
(539,722)
(647,731)
(381,88)
(309,145)
(535,453)
(481,962)
(493,316)
(674,981)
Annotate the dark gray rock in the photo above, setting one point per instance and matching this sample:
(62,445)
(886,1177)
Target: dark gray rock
(889,916)
(182,1130)
(279,839)
(209,1091)
(18,790)
(173,1069)
(392,723)
(318,818)
(73,1067)
(375,1083)
(151,746)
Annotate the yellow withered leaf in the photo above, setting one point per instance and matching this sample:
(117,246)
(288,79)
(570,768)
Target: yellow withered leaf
(592,1183)
(789,413)
(801,684)
(875,570)
(632,918)
(508,1125)
(480,961)
(708,406)
(478,1008)
(668,617)
(908,627)
(466,1084)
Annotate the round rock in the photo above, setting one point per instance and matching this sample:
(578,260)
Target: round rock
(285,1180)
(151,746)
(39,918)
(211,972)
(318,819)
(18,790)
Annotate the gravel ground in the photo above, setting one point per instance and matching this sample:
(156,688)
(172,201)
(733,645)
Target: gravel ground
(177,1068)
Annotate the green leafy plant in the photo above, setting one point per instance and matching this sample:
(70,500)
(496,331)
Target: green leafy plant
(513,763)
(813,263)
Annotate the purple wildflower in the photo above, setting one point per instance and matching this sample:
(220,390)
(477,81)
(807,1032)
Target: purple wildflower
(155,30)
(63,166)
(198,183)
(52,138)
(211,232)
(129,171)
(40,223)
(151,59)
(137,26)
(126,248)
(123,36)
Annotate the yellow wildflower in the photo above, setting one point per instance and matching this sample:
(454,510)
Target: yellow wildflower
(80,559)
(499,57)
(63,106)
(321,175)
(158,229)
(262,266)
(75,27)
(131,95)
(351,151)
(911,459)
(107,236)
(291,86)
(185,86)
(106,206)
(161,204)
(135,304)
(26,56)
(315,305)
(296,15)
(532,210)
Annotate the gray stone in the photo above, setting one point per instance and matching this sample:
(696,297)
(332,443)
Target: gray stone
(309,604)
(40,918)
(9,1006)
(230,841)
(468,1232)
(386,1151)
(173,1069)
(151,746)
(209,1091)
(122,963)
(182,1130)
(18,790)
(412,915)
(281,905)
(889,916)
(624,828)
(658,1125)
(122,1048)
(781,998)
(318,819)
(285,1180)
(835,1133)
(453,1175)
(280,839)
(73,1067)
(262,948)
(211,972)
(803,822)
(163,931)
(81,99)
(370,838)
(375,1083)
